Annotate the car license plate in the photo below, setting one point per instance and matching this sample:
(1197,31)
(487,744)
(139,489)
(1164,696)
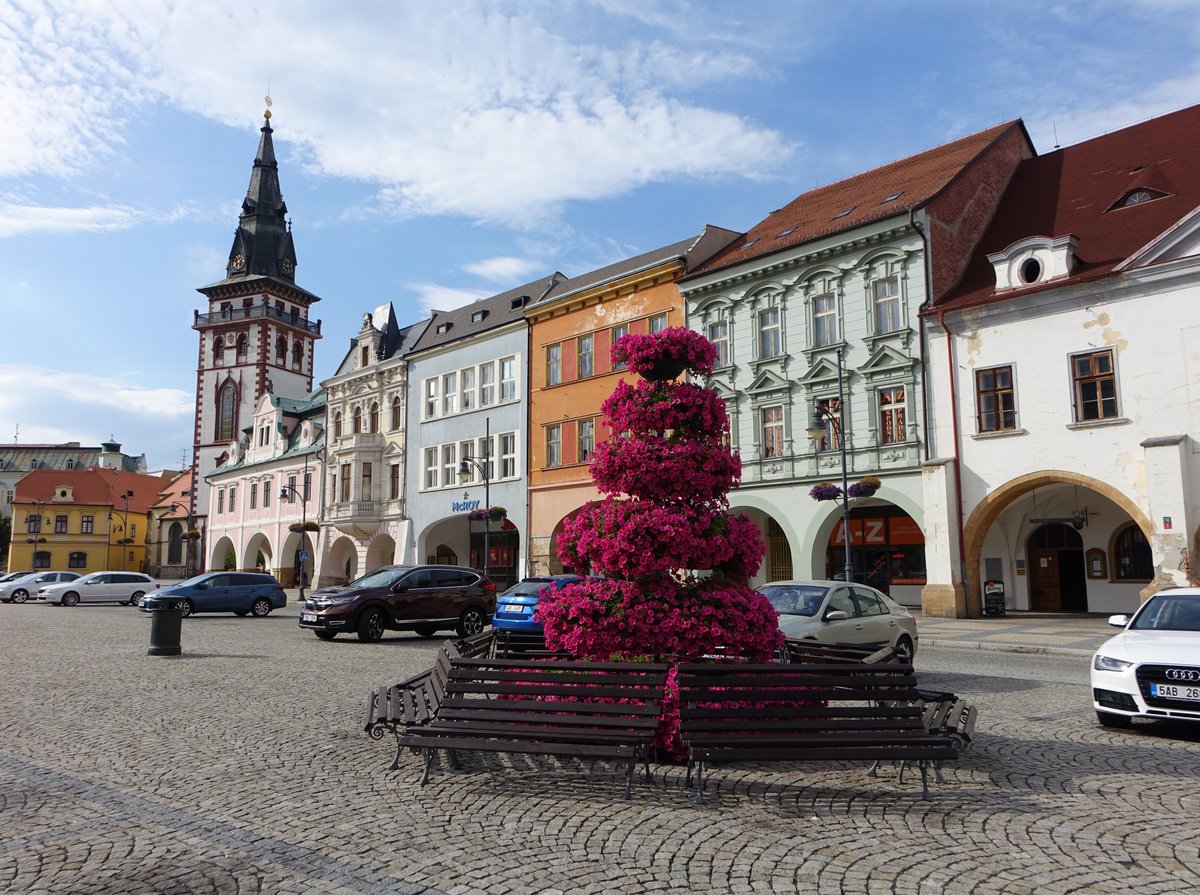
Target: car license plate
(308,616)
(1174,691)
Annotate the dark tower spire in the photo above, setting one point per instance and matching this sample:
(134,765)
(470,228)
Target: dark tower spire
(263,244)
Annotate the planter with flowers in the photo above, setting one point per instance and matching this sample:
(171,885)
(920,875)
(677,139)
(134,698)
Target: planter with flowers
(488,514)
(298,527)
(664,516)
(192,534)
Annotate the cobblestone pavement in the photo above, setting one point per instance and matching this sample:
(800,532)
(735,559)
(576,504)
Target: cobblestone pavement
(240,767)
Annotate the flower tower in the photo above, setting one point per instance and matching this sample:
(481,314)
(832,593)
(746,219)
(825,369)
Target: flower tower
(662,523)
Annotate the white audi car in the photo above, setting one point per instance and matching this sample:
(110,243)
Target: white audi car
(1152,668)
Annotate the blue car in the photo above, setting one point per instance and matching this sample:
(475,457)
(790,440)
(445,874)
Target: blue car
(514,607)
(242,593)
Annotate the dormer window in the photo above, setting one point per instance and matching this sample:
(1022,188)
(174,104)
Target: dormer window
(443,328)
(1030,271)
(843,212)
(892,198)
(519,302)
(1136,197)
(478,316)
(1032,261)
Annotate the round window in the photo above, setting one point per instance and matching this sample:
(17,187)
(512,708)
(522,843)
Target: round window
(1031,269)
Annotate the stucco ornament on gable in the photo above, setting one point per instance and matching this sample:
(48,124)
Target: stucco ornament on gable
(1032,261)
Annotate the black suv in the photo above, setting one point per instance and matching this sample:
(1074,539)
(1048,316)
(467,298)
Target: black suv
(425,599)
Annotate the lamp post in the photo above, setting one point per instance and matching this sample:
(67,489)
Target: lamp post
(290,490)
(124,539)
(464,475)
(35,530)
(817,431)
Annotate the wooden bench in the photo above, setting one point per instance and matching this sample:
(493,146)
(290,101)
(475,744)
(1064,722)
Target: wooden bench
(800,652)
(411,702)
(548,707)
(522,645)
(809,712)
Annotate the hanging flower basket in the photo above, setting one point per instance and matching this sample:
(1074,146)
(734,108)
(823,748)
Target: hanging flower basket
(124,540)
(664,355)
(192,535)
(864,487)
(491,514)
(825,491)
(303,526)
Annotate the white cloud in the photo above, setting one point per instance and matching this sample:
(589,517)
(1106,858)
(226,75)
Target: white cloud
(463,110)
(503,269)
(23,386)
(434,296)
(17,219)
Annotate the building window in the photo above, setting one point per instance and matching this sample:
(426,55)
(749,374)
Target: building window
(449,465)
(770,333)
(33,524)
(87,525)
(718,334)
(553,364)
(431,467)
(226,412)
(266,493)
(77,559)
(467,378)
(337,425)
(241,347)
(364,356)
(175,543)
(133,529)
(508,455)
(449,394)
(586,346)
(357,424)
(825,322)
(1095,381)
(373,418)
(397,413)
(892,415)
(233,498)
(218,351)
(508,378)
(221,501)
(887,305)
(431,399)
(830,410)
(60,525)
(254,495)
(289,495)
(554,445)
(394,481)
(658,323)
(1131,556)
(487,385)
(281,349)
(345,482)
(306,490)
(586,438)
(367,476)
(297,353)
(41,559)
(995,401)
(487,451)
(772,431)
(619,332)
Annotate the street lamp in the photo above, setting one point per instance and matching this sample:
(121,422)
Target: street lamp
(817,430)
(302,493)
(35,530)
(124,539)
(464,476)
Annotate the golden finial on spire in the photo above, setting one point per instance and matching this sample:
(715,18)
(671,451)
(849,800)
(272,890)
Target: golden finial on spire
(267,100)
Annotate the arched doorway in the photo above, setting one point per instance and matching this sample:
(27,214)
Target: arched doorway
(887,551)
(223,556)
(1057,579)
(341,562)
(380,552)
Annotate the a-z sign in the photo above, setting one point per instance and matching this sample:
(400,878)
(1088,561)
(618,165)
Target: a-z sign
(903,530)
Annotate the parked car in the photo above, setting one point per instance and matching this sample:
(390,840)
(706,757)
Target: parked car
(425,599)
(98,587)
(836,612)
(1152,668)
(515,607)
(21,589)
(13,576)
(242,593)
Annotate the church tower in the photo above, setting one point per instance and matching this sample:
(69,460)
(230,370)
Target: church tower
(256,335)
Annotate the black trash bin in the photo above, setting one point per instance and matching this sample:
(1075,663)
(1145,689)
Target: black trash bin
(166,626)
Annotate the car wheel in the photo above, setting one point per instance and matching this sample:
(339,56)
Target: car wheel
(137,595)
(326,635)
(187,608)
(70,599)
(904,649)
(20,596)
(472,621)
(1108,719)
(261,607)
(371,626)
(425,630)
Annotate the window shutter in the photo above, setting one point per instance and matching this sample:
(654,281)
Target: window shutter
(603,347)
(570,442)
(570,360)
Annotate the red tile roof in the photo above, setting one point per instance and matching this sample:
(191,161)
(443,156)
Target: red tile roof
(1073,191)
(858,200)
(92,487)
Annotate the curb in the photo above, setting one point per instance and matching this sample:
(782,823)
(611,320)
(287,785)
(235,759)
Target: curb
(1005,647)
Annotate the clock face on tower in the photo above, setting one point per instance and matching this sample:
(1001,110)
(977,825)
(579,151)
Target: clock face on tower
(287,265)
(238,262)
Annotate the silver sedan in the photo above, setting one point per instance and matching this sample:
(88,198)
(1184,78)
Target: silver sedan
(836,612)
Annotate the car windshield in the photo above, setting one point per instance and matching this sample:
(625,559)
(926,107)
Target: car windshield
(379,578)
(1169,612)
(526,588)
(795,599)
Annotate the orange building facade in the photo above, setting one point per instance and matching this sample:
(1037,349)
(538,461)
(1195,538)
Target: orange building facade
(571,333)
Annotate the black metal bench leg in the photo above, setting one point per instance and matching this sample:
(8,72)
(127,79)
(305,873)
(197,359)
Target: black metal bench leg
(872,771)
(454,759)
(629,772)
(937,771)
(429,752)
(699,783)
(923,764)
(395,765)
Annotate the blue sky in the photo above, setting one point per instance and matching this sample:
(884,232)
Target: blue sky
(435,152)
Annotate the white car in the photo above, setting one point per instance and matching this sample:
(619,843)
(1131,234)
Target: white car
(99,587)
(836,612)
(1152,668)
(21,589)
